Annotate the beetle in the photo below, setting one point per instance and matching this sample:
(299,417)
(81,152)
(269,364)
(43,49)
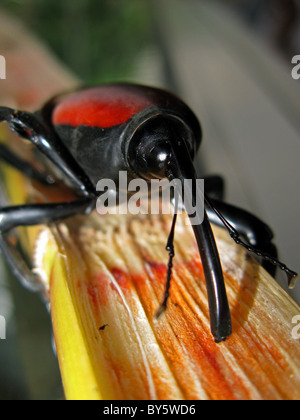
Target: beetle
(96,132)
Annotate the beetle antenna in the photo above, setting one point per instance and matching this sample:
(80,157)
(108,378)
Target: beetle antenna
(235,235)
(170,249)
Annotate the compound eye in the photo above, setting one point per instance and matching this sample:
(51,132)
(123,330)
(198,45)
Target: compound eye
(150,148)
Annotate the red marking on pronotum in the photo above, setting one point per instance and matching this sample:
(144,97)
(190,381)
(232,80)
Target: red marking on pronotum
(104,106)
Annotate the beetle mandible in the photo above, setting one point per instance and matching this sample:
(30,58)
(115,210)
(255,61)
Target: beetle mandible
(96,132)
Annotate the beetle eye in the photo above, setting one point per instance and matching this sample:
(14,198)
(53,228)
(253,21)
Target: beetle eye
(149,151)
(151,161)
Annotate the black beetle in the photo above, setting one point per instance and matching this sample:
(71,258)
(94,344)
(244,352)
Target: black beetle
(94,133)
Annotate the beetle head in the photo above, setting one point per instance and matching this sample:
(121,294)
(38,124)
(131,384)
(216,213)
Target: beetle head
(150,143)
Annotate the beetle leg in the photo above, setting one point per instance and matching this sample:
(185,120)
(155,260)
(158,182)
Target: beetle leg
(239,223)
(218,305)
(21,165)
(220,319)
(29,126)
(30,215)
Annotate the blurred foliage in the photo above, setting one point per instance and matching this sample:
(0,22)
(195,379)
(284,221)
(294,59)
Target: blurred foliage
(99,40)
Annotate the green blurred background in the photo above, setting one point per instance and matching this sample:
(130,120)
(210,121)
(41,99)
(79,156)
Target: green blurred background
(98,40)
(148,41)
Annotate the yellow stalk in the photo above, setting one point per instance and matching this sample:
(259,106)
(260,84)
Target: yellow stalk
(77,371)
